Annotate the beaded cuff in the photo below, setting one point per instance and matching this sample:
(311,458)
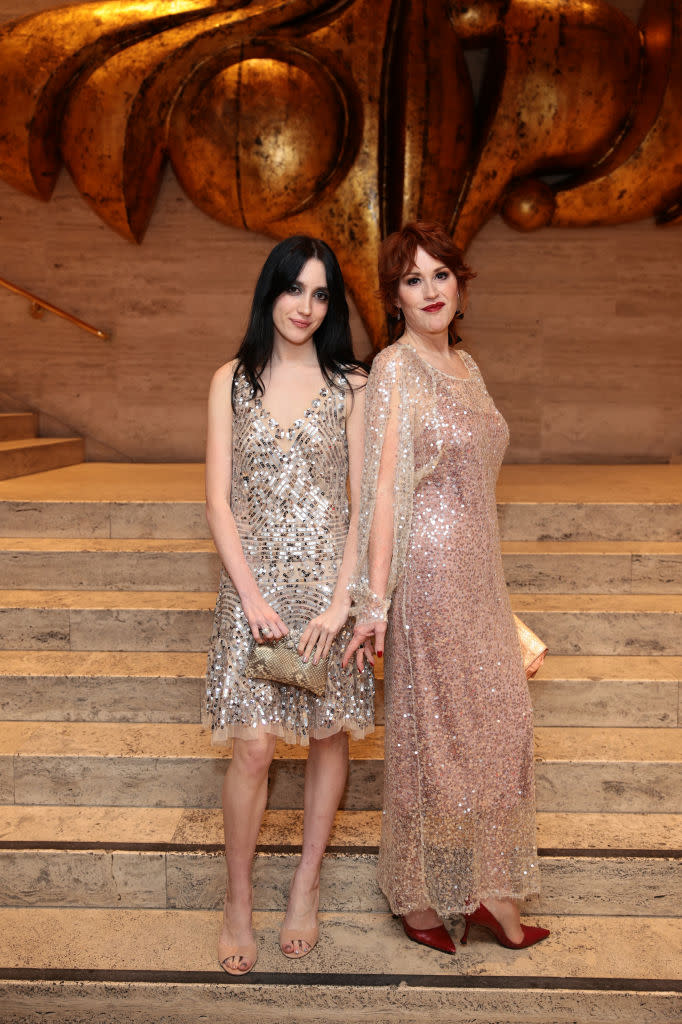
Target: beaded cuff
(371,608)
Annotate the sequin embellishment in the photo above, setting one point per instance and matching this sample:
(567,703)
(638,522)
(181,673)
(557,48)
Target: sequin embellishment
(291,509)
(459,798)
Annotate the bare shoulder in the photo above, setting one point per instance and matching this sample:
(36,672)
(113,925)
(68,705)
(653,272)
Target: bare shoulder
(221,382)
(225,373)
(220,391)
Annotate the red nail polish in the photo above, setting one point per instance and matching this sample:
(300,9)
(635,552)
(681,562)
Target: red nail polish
(380,654)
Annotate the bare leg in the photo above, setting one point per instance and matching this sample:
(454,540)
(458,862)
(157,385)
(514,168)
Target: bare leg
(325,780)
(245,791)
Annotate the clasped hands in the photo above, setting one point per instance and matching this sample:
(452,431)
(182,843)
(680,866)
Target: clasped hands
(317,637)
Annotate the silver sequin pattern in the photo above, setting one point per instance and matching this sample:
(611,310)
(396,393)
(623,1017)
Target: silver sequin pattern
(289,500)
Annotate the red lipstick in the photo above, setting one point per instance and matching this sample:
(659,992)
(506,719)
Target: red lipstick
(433,308)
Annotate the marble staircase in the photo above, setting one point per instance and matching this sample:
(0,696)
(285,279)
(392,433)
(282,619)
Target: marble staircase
(111,872)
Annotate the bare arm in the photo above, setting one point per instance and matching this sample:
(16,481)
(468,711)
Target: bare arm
(219,514)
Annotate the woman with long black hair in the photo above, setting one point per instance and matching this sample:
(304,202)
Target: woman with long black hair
(285,435)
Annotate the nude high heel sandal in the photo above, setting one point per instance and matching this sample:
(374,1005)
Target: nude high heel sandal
(298,937)
(245,959)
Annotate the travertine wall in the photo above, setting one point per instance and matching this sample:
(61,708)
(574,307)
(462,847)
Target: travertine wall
(577,332)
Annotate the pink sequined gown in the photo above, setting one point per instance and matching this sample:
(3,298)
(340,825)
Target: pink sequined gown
(459,799)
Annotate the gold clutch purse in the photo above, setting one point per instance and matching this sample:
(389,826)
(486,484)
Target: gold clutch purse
(280,662)
(533,648)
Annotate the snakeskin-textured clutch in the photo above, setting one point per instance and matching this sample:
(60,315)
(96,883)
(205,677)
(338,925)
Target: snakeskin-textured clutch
(280,662)
(533,648)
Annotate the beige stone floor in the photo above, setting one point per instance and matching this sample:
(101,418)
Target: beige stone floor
(125,481)
(34,442)
(188,825)
(146,545)
(205,600)
(110,481)
(177,663)
(161,740)
(176,940)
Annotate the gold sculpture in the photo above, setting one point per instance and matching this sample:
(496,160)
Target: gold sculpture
(642,176)
(345,118)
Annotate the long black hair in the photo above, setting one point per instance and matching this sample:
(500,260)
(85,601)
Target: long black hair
(332,339)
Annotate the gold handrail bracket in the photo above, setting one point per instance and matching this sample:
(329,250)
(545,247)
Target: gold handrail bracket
(39,306)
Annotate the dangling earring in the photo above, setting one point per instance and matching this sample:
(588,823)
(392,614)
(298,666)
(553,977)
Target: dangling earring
(399,312)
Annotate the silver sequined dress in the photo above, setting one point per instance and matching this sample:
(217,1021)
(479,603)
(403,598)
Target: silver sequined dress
(459,799)
(289,501)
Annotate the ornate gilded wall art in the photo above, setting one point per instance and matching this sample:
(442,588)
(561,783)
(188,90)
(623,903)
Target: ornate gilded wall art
(346,117)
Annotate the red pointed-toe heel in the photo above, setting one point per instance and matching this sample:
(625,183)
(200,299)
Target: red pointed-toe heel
(435,938)
(482,916)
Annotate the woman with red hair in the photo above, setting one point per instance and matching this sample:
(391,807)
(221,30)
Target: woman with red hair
(458,829)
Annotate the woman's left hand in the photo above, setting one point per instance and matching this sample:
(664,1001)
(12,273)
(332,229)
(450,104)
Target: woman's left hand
(366,642)
(319,634)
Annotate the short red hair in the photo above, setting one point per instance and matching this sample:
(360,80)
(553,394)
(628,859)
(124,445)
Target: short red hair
(396,256)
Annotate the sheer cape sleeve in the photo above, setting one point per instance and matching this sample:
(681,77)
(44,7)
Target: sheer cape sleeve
(394,388)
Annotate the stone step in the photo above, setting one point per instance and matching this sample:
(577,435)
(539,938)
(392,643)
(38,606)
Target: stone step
(20,457)
(103,499)
(598,567)
(172,858)
(621,691)
(647,886)
(590,503)
(106,564)
(192,828)
(62,963)
(160,765)
(586,624)
(604,624)
(146,686)
(104,619)
(593,567)
(102,686)
(15,425)
(540,503)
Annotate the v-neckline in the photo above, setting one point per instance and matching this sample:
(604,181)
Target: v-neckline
(292,432)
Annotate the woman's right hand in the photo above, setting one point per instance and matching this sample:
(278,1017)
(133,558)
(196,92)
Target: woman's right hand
(264,621)
(360,644)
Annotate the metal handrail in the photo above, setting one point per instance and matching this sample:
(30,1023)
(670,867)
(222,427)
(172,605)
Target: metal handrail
(38,304)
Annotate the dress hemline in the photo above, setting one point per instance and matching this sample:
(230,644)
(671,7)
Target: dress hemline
(220,737)
(468,907)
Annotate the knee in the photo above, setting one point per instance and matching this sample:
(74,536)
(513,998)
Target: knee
(253,757)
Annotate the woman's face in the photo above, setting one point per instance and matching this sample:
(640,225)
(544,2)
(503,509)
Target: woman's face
(427,295)
(298,312)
